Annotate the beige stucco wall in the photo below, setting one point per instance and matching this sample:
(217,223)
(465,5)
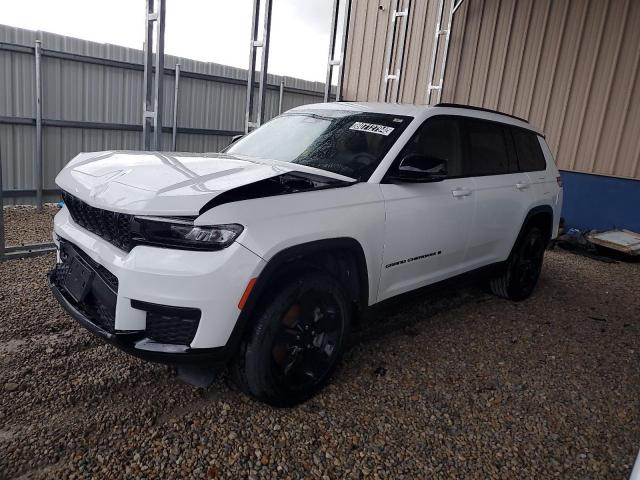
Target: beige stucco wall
(569,66)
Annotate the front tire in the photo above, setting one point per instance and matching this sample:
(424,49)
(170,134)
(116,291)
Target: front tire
(524,265)
(296,340)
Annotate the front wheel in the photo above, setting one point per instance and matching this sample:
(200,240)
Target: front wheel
(520,277)
(296,340)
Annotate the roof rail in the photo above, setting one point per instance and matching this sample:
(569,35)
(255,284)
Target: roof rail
(481,109)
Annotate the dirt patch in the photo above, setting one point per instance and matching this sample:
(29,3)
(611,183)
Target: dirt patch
(462,385)
(24,225)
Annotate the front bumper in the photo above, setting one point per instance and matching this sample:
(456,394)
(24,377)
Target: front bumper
(135,343)
(210,283)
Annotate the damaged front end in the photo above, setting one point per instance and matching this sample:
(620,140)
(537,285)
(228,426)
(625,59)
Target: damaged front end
(89,292)
(284,184)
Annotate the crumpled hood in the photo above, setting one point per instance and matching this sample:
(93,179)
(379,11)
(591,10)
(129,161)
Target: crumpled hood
(165,183)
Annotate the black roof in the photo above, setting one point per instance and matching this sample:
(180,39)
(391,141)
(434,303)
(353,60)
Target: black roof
(480,109)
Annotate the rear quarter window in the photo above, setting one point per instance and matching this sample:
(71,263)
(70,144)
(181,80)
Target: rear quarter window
(528,150)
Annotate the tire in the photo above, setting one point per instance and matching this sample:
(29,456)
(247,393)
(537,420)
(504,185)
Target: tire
(296,341)
(524,265)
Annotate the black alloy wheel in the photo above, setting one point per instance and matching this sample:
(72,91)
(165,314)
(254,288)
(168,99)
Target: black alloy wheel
(528,262)
(305,345)
(521,276)
(297,340)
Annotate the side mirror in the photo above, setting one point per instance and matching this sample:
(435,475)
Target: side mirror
(235,138)
(420,169)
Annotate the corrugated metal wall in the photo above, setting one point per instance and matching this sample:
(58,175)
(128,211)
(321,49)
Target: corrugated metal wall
(569,66)
(84,92)
(367,43)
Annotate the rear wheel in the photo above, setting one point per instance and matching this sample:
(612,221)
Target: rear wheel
(519,279)
(296,341)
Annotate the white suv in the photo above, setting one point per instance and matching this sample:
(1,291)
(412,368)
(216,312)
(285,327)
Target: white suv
(265,255)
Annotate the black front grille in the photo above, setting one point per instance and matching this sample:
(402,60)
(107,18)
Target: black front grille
(114,227)
(100,303)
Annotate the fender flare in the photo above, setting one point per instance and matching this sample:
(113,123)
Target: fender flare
(546,209)
(291,254)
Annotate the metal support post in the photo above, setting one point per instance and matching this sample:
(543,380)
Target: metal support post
(332,60)
(343,50)
(391,94)
(454,7)
(38,169)
(158,93)
(439,33)
(152,108)
(402,43)
(281,97)
(2,246)
(147,114)
(251,73)
(434,52)
(262,90)
(264,63)
(175,108)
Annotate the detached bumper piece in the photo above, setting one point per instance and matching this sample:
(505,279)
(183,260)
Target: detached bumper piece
(88,292)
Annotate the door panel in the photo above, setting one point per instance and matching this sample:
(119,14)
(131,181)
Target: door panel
(426,233)
(501,205)
(427,224)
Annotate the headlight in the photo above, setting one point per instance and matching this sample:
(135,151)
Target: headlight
(182,233)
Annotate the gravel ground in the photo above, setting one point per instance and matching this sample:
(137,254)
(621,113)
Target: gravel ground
(25,225)
(460,386)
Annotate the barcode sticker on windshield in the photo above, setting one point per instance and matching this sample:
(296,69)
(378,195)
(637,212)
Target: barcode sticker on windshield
(372,128)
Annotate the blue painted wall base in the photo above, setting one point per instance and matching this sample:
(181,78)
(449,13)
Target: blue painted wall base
(596,202)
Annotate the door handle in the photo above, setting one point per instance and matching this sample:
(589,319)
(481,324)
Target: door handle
(460,192)
(522,185)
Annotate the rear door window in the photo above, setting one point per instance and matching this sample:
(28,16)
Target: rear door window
(487,149)
(528,150)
